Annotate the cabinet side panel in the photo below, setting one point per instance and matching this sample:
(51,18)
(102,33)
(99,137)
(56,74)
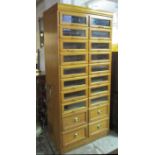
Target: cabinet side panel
(52,73)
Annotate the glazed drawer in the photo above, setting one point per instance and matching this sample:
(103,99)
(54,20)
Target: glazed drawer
(72,32)
(74,106)
(74,136)
(73,19)
(99,112)
(73,45)
(97,33)
(74,120)
(99,68)
(100,22)
(75,82)
(99,126)
(74,70)
(95,57)
(99,100)
(98,45)
(97,79)
(74,94)
(69,58)
(99,89)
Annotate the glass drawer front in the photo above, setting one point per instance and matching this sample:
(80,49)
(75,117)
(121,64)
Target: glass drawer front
(100,34)
(74,45)
(100,22)
(100,89)
(99,68)
(73,19)
(74,71)
(99,100)
(99,57)
(99,79)
(100,45)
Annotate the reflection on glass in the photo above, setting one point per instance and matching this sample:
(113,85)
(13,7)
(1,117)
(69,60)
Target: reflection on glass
(100,45)
(74,70)
(74,94)
(100,22)
(74,83)
(72,32)
(99,99)
(100,68)
(72,58)
(99,89)
(101,34)
(99,79)
(74,45)
(74,106)
(100,57)
(74,19)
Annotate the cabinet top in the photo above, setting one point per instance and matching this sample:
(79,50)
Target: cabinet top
(73,8)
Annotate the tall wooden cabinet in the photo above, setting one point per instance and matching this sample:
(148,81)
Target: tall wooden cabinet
(78,74)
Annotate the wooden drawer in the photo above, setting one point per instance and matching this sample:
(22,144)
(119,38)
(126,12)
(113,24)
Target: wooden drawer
(96,57)
(74,94)
(74,106)
(100,22)
(99,45)
(76,82)
(74,120)
(99,89)
(73,32)
(73,19)
(99,112)
(99,126)
(73,45)
(98,33)
(99,100)
(97,79)
(74,136)
(69,58)
(73,71)
(99,68)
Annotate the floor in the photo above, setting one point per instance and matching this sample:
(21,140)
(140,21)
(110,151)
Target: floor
(103,145)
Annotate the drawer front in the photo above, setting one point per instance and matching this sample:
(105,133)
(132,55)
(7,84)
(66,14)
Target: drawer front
(99,78)
(99,100)
(71,32)
(99,113)
(99,57)
(75,136)
(70,45)
(95,45)
(74,120)
(97,127)
(69,58)
(99,68)
(75,106)
(73,71)
(75,19)
(99,89)
(74,95)
(75,82)
(96,33)
(100,22)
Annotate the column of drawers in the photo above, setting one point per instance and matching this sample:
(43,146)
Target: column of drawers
(99,74)
(73,52)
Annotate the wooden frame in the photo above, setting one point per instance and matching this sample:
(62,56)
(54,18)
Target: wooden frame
(100,17)
(100,30)
(99,53)
(74,75)
(73,41)
(74,28)
(62,54)
(76,86)
(73,14)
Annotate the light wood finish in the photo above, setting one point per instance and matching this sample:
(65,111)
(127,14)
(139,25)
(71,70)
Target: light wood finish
(71,107)
(99,126)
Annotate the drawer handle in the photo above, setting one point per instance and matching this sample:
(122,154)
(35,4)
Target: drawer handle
(76,119)
(99,111)
(98,126)
(76,134)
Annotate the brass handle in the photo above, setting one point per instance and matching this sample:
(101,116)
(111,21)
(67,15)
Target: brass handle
(99,111)
(76,134)
(98,126)
(76,119)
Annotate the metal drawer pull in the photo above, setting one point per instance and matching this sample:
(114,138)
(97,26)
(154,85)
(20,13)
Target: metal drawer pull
(76,134)
(98,126)
(76,119)
(99,111)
